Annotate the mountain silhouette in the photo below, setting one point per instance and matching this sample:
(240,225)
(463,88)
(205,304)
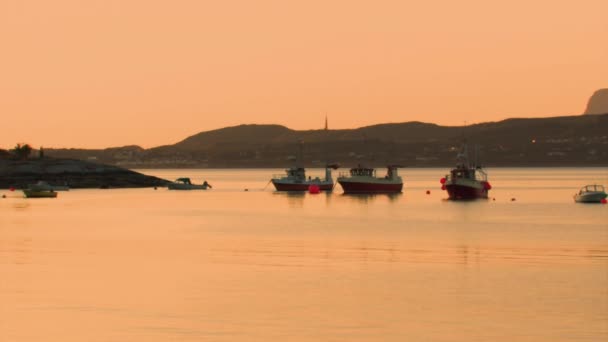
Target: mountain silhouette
(598,103)
(557,141)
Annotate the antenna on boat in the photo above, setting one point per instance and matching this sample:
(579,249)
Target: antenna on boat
(462,158)
(372,156)
(476,149)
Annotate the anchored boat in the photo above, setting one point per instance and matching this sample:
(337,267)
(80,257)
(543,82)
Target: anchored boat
(364,180)
(30,193)
(295,177)
(295,180)
(466,181)
(186,184)
(591,194)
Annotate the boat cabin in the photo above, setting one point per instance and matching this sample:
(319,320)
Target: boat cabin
(391,172)
(183,181)
(468,173)
(362,172)
(298,173)
(592,188)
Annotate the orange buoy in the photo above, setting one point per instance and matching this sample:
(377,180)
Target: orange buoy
(428,192)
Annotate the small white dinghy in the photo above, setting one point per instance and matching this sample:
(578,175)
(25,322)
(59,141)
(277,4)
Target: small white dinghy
(186,184)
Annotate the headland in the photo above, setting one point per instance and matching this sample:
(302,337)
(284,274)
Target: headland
(71,172)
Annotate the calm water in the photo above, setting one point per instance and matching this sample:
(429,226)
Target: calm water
(230,265)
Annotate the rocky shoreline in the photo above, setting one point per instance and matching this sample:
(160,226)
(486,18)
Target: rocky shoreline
(76,174)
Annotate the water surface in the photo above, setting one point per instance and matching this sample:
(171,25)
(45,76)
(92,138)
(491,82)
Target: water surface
(234,265)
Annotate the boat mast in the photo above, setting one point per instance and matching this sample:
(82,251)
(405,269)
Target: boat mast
(462,159)
(300,155)
(325,157)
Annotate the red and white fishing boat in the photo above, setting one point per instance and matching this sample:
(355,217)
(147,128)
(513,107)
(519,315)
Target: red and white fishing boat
(295,180)
(466,181)
(364,180)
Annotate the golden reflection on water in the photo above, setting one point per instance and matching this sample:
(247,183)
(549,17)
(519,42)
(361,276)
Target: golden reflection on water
(228,265)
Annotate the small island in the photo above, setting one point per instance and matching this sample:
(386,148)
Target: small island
(18,169)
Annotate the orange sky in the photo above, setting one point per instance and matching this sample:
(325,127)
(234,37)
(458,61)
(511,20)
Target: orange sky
(102,73)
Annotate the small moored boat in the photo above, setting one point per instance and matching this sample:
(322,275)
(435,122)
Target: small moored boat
(31,193)
(185,184)
(593,193)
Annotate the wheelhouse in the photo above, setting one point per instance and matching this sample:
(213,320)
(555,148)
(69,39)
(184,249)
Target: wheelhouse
(476,174)
(592,188)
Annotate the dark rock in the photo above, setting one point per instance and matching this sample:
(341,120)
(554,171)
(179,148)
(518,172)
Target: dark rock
(74,173)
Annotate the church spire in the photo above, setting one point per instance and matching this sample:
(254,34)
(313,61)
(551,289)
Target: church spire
(326,127)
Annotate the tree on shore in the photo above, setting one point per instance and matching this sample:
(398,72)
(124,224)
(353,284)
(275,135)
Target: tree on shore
(22,151)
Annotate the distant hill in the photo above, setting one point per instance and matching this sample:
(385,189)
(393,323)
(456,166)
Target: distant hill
(598,103)
(557,141)
(248,134)
(273,134)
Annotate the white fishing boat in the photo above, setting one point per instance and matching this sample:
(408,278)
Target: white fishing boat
(295,180)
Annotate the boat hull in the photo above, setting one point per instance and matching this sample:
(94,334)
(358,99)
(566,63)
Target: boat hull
(596,197)
(290,186)
(39,194)
(358,187)
(186,187)
(464,192)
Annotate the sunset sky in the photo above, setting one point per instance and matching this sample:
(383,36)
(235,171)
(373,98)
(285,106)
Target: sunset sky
(101,73)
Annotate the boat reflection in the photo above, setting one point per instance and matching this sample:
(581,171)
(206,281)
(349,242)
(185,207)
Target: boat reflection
(24,205)
(369,198)
(295,199)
